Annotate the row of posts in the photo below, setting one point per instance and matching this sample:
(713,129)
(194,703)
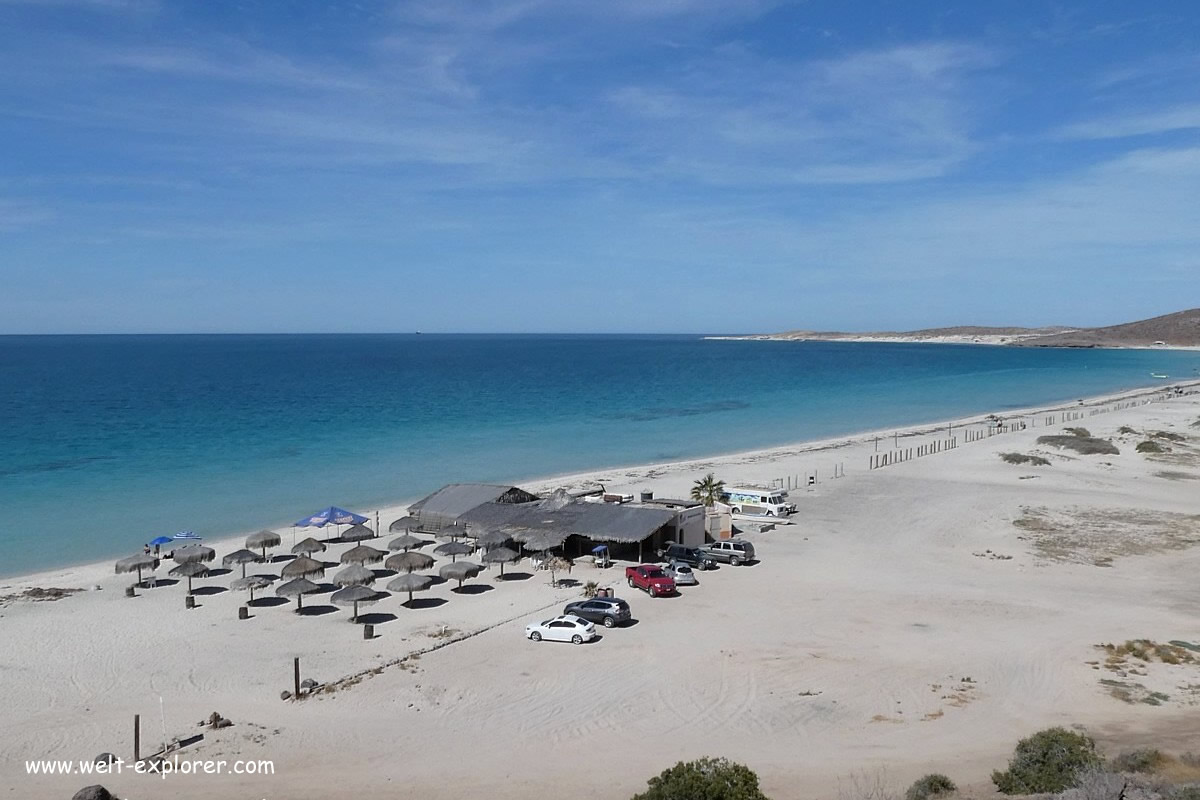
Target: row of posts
(808,479)
(879,460)
(900,455)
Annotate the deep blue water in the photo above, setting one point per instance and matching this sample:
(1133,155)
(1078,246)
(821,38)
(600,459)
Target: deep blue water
(107,441)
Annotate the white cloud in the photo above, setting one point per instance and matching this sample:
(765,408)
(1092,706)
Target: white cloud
(1125,126)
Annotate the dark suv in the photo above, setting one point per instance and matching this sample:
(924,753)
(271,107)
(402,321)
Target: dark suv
(692,556)
(606,611)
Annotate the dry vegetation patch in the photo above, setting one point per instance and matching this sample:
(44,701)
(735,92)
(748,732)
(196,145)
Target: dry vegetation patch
(1097,536)
(1024,458)
(1177,476)
(1084,445)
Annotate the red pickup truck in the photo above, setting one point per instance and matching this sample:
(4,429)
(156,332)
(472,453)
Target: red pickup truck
(650,578)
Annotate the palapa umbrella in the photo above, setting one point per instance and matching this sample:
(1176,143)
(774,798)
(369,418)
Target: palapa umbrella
(136,564)
(242,557)
(409,562)
(262,540)
(297,588)
(308,547)
(453,549)
(303,567)
(405,524)
(541,541)
(357,533)
(410,583)
(253,582)
(501,556)
(362,555)
(193,552)
(353,595)
(491,538)
(459,571)
(405,542)
(189,570)
(354,575)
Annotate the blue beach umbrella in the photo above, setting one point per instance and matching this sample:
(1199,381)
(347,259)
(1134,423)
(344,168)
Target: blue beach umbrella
(328,516)
(331,516)
(159,541)
(186,536)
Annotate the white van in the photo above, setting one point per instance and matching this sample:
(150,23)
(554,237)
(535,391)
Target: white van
(758,500)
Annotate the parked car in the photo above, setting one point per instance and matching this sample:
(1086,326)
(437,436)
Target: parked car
(733,551)
(650,578)
(567,628)
(681,573)
(695,556)
(608,611)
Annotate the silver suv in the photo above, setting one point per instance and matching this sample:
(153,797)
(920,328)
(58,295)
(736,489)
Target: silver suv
(733,551)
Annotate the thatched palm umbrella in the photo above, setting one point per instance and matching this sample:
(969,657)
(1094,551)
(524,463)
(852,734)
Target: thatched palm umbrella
(362,555)
(459,571)
(263,540)
(501,556)
(297,588)
(253,582)
(409,562)
(405,524)
(541,541)
(193,552)
(405,542)
(492,538)
(189,570)
(303,567)
(307,547)
(410,583)
(453,549)
(353,595)
(242,557)
(136,564)
(354,575)
(357,533)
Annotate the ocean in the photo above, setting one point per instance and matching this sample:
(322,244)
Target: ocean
(108,441)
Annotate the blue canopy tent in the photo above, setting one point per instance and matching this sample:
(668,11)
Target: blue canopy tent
(329,516)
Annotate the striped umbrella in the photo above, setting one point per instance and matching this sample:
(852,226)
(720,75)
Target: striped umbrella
(187,536)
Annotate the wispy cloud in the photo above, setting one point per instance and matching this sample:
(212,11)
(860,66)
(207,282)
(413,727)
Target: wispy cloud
(1123,126)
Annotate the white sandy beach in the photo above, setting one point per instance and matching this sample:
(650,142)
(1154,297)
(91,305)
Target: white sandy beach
(902,624)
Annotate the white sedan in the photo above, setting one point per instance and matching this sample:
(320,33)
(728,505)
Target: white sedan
(567,628)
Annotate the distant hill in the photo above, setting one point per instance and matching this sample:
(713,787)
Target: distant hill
(1181,329)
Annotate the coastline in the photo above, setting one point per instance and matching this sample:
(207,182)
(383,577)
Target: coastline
(882,630)
(95,570)
(986,340)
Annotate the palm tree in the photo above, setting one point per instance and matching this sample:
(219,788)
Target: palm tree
(708,490)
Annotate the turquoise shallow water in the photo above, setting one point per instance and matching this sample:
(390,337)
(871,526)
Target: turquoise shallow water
(108,441)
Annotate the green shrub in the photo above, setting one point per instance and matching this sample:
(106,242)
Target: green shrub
(1138,761)
(1024,458)
(933,785)
(1189,792)
(1170,437)
(1125,429)
(1150,447)
(1084,445)
(705,779)
(1083,433)
(1047,761)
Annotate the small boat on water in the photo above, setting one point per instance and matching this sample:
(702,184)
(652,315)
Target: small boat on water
(1159,375)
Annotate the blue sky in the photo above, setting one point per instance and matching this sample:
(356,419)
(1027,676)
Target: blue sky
(598,165)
